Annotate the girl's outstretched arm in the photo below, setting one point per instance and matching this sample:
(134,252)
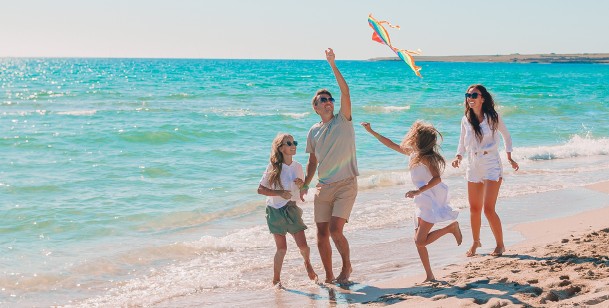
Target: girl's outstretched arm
(386,141)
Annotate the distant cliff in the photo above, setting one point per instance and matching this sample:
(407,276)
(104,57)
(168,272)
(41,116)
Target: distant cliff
(515,58)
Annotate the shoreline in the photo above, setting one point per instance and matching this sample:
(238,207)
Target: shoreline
(469,282)
(588,58)
(561,262)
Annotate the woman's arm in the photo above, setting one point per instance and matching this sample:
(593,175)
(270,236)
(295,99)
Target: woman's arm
(386,141)
(460,148)
(507,140)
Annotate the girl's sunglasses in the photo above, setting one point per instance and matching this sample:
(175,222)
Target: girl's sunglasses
(290,143)
(472,96)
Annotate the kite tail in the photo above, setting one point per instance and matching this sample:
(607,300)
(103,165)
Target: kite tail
(406,55)
(389,24)
(382,22)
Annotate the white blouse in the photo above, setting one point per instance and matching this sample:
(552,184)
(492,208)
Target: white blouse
(490,141)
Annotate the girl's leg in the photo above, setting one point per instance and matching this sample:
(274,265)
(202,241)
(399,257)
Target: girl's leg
(420,240)
(491,192)
(451,228)
(475,193)
(282,247)
(305,251)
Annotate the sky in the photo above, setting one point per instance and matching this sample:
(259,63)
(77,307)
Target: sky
(289,29)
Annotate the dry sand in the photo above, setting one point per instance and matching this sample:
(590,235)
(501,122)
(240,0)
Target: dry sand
(563,262)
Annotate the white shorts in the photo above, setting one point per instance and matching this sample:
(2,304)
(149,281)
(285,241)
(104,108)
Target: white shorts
(484,166)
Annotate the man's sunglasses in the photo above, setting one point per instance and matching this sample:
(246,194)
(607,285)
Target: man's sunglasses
(325,100)
(290,143)
(472,96)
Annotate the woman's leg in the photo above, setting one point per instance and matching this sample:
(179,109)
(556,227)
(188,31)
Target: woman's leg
(305,251)
(491,192)
(282,247)
(475,194)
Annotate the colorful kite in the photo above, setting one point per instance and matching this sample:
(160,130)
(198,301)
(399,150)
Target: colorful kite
(380,35)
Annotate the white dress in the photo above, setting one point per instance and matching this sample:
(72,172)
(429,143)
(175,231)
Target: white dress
(431,205)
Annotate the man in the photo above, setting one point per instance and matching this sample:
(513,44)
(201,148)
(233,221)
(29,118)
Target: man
(331,148)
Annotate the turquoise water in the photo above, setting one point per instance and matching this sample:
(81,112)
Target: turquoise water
(114,169)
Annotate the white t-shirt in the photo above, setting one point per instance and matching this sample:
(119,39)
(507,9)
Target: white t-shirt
(288,174)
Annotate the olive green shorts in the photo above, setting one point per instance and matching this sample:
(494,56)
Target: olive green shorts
(287,219)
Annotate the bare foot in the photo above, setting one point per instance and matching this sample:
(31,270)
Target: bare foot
(472,251)
(343,277)
(498,252)
(311,272)
(329,279)
(277,284)
(457,232)
(427,281)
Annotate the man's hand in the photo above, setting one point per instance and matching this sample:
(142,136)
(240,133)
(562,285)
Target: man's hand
(303,191)
(330,56)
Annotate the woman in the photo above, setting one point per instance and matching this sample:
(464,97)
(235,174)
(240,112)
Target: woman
(484,173)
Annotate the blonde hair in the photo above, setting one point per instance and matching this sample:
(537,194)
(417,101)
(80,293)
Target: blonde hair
(422,138)
(277,160)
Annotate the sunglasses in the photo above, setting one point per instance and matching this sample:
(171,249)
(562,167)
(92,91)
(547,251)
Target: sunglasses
(325,100)
(472,96)
(290,143)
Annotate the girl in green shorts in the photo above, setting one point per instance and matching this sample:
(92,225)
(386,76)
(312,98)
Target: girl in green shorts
(281,184)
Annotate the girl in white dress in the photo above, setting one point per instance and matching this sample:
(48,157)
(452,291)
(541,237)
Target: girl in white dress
(431,196)
(480,139)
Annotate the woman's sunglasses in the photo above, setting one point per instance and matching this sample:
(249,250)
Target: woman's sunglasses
(472,95)
(290,143)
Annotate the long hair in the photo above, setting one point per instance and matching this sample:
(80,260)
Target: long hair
(488,109)
(422,138)
(276,160)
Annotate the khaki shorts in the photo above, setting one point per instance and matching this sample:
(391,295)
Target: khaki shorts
(335,199)
(287,219)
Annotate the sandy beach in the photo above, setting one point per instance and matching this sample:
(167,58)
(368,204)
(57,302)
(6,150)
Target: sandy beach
(563,262)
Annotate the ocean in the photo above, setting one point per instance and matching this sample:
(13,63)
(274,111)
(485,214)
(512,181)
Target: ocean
(132,182)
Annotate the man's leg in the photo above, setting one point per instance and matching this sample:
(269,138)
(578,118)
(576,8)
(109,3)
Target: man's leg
(325,250)
(342,245)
